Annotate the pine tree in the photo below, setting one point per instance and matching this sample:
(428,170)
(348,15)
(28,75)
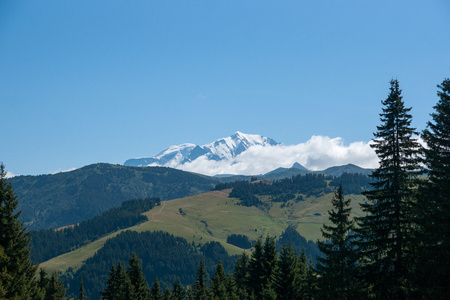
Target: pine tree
(17,271)
(82,296)
(434,203)
(337,269)
(200,286)
(218,283)
(178,292)
(241,276)
(138,282)
(287,274)
(55,289)
(118,285)
(386,231)
(269,262)
(256,270)
(155,291)
(167,294)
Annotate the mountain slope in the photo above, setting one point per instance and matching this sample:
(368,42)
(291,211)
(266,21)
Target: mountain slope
(50,201)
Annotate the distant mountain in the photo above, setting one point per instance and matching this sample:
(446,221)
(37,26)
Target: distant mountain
(51,201)
(221,149)
(350,168)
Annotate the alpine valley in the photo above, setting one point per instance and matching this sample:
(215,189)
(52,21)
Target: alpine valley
(88,219)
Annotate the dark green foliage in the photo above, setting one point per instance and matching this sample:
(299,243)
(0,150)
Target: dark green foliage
(200,289)
(433,266)
(53,201)
(338,268)
(239,240)
(241,276)
(163,255)
(55,289)
(118,286)
(17,271)
(386,235)
(46,244)
(287,280)
(352,183)
(281,190)
(256,270)
(81,296)
(291,237)
(137,279)
(178,291)
(155,291)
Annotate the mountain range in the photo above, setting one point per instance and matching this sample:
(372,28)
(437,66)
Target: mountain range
(220,150)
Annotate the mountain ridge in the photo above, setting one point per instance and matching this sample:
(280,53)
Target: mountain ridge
(221,149)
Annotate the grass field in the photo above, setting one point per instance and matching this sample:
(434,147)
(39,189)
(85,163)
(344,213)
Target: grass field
(213,216)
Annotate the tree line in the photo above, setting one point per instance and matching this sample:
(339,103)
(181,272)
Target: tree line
(49,243)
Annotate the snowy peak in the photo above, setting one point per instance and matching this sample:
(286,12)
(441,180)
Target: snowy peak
(221,149)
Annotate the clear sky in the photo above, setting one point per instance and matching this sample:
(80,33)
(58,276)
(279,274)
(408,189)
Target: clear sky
(83,82)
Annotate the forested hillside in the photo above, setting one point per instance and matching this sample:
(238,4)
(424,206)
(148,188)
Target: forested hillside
(52,201)
(48,243)
(163,255)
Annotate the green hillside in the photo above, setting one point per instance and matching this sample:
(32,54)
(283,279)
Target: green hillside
(52,201)
(213,216)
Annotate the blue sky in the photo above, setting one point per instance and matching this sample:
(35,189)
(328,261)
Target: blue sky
(104,81)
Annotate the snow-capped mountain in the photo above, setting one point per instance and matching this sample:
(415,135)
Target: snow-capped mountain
(221,149)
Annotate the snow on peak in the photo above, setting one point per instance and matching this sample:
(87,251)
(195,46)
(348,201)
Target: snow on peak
(221,149)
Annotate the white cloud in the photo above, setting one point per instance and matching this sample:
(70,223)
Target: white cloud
(10,175)
(64,171)
(319,153)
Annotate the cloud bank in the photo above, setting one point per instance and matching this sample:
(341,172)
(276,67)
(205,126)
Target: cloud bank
(319,153)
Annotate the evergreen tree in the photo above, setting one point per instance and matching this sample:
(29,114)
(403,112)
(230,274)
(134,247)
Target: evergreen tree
(256,270)
(178,292)
(17,271)
(82,296)
(386,231)
(287,274)
(337,270)
(241,276)
(200,286)
(218,283)
(138,282)
(270,261)
(155,291)
(167,294)
(118,285)
(433,267)
(55,289)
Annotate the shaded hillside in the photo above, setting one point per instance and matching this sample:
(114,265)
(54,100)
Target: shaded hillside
(51,201)
(163,255)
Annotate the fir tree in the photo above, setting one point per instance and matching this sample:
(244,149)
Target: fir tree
(81,289)
(200,287)
(178,292)
(55,289)
(386,231)
(287,274)
(241,276)
(433,267)
(218,283)
(270,261)
(337,269)
(138,282)
(256,270)
(155,291)
(118,285)
(17,271)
